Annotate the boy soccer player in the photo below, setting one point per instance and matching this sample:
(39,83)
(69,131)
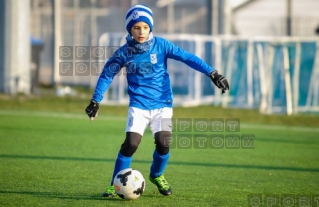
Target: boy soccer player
(151,99)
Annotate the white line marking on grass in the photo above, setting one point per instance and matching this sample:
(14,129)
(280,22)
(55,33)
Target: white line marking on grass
(121,118)
(60,115)
(271,127)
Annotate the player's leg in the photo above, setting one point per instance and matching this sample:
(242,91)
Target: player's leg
(128,148)
(160,159)
(124,158)
(135,127)
(161,153)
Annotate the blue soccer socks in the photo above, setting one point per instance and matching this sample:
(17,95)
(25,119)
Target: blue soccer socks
(121,163)
(159,164)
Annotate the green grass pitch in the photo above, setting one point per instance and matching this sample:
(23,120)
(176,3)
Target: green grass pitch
(63,159)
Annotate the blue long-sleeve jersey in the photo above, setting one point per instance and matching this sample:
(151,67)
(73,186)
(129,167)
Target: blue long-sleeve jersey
(148,80)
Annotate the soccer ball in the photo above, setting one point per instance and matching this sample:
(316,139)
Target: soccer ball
(129,184)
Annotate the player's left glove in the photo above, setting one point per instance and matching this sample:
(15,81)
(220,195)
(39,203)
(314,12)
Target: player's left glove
(219,80)
(92,109)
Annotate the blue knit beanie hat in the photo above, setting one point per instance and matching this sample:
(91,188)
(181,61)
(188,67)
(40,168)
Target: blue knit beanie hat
(139,13)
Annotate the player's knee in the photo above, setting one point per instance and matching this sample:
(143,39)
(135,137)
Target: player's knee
(162,139)
(130,144)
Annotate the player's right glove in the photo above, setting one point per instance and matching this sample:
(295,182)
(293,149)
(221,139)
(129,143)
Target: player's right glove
(219,80)
(92,109)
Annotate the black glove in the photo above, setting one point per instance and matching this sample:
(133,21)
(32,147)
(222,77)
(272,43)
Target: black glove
(91,109)
(219,80)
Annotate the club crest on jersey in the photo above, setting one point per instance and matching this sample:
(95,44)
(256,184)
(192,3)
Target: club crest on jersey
(153,58)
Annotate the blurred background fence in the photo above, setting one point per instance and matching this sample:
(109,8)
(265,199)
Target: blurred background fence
(268,49)
(274,74)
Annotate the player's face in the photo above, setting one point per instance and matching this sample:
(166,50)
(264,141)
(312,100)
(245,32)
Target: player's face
(140,31)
